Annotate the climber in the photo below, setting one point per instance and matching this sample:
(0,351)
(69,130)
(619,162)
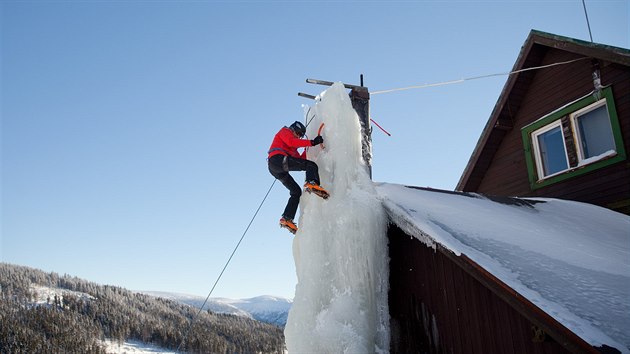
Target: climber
(284,157)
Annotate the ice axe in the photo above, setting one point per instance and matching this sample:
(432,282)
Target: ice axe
(319,132)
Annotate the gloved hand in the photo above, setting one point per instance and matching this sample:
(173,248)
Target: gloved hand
(318,140)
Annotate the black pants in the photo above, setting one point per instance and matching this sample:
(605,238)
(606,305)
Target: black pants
(279,168)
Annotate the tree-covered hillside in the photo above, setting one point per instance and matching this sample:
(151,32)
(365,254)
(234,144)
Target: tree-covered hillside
(79,313)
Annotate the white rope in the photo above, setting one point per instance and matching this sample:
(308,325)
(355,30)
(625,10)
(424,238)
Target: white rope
(444,83)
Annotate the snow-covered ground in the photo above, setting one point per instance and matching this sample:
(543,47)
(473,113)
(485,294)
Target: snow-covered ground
(571,259)
(340,250)
(46,295)
(132,347)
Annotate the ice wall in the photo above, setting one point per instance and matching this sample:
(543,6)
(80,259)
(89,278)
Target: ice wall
(340,250)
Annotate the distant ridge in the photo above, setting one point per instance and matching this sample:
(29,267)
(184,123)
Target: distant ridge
(265,308)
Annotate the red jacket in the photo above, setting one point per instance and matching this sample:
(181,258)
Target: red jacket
(285,143)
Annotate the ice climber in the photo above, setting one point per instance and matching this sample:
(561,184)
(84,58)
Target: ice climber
(284,157)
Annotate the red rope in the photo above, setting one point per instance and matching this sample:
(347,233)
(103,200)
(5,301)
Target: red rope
(385,131)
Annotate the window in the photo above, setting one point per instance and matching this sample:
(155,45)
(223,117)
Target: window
(593,130)
(551,154)
(575,139)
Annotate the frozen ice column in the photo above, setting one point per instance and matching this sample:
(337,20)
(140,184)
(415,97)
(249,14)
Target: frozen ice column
(340,250)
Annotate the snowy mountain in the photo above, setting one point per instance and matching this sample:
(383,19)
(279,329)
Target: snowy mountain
(46,312)
(265,308)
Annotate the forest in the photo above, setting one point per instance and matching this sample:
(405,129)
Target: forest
(81,314)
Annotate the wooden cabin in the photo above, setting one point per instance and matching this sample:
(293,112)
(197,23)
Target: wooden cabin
(477,274)
(561,130)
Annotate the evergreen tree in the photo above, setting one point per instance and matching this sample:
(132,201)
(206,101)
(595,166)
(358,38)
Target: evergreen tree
(82,313)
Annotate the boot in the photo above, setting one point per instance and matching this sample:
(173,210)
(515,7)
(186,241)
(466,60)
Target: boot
(288,224)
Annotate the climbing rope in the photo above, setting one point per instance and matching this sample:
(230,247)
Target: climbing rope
(192,320)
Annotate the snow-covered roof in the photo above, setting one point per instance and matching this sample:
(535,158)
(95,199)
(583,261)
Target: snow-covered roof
(570,259)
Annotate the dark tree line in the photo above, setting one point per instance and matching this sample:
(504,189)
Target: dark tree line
(71,323)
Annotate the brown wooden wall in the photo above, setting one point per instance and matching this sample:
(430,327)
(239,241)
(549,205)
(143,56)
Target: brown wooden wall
(437,307)
(550,89)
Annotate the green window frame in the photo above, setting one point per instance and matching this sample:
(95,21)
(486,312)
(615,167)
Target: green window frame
(568,118)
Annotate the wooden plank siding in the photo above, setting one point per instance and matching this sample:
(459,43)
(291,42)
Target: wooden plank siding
(549,89)
(439,306)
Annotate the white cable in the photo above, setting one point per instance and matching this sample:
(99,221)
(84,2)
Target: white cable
(475,77)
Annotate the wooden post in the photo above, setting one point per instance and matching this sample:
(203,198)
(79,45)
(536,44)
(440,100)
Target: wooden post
(360,98)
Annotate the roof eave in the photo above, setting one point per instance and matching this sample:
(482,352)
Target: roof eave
(495,113)
(587,49)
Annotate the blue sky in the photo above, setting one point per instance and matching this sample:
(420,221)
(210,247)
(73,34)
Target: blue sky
(134,133)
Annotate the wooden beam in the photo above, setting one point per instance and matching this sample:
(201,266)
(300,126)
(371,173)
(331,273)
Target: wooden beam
(306,95)
(329,83)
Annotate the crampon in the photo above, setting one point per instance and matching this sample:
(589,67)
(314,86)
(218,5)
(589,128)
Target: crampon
(289,225)
(316,189)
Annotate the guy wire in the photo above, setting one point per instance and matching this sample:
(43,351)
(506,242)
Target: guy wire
(588,23)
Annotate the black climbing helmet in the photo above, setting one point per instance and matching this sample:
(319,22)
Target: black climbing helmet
(298,128)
